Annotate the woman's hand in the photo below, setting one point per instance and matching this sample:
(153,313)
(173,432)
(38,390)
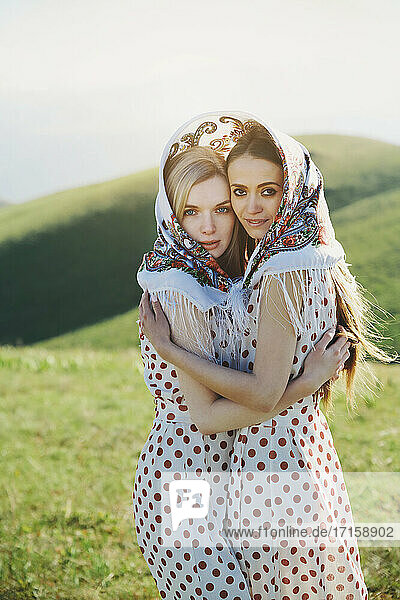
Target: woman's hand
(325,363)
(154,324)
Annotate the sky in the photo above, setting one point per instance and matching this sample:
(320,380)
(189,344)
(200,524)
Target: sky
(91,90)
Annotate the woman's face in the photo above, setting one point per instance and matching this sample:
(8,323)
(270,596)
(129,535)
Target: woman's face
(208,216)
(256,193)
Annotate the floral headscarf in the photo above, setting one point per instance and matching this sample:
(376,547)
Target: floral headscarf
(301,235)
(179,270)
(183,274)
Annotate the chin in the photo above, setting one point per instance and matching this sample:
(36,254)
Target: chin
(258,235)
(253,232)
(220,253)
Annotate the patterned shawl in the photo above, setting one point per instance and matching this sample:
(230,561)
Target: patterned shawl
(301,235)
(184,275)
(179,270)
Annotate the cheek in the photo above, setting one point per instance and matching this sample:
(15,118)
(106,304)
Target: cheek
(234,201)
(237,205)
(231,224)
(226,227)
(189,226)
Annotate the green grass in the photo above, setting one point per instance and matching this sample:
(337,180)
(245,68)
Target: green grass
(118,333)
(73,425)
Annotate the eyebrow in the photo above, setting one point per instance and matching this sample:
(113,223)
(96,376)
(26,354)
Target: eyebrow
(220,204)
(260,185)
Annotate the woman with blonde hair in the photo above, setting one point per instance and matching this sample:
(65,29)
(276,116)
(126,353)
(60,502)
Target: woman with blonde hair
(195,260)
(285,470)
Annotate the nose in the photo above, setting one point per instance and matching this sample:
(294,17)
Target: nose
(207,224)
(253,205)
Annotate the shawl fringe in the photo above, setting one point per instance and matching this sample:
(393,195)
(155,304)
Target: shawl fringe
(194,329)
(303,294)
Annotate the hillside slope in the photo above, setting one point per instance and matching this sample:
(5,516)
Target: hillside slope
(69,260)
(353,167)
(369,230)
(375,265)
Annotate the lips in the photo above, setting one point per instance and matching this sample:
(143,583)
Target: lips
(213,243)
(256,222)
(210,245)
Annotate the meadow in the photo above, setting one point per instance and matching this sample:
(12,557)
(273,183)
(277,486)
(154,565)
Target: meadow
(74,422)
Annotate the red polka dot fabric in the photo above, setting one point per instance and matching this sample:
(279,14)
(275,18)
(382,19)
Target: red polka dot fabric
(196,562)
(286,472)
(282,472)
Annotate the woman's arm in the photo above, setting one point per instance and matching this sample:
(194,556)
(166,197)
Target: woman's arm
(260,390)
(212,413)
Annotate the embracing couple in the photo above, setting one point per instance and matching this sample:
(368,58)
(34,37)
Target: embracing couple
(249,314)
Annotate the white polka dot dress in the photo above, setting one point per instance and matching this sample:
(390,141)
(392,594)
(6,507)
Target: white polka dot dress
(286,472)
(194,562)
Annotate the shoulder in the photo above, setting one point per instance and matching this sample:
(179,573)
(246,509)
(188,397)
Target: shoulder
(283,296)
(283,286)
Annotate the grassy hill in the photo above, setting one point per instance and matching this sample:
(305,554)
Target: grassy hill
(369,230)
(118,333)
(69,260)
(353,167)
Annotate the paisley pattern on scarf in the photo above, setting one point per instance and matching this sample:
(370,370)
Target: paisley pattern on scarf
(222,144)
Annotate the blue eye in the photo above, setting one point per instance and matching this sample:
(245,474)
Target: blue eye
(225,209)
(187,211)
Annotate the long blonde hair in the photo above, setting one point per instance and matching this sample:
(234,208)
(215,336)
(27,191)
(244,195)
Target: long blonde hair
(185,170)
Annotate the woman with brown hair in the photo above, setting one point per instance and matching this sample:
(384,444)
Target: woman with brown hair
(285,470)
